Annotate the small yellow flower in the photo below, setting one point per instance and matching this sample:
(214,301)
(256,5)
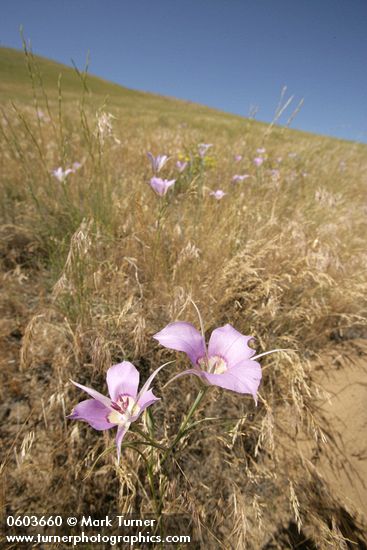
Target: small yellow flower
(209,162)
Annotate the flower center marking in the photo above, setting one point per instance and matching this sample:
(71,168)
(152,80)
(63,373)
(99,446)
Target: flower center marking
(124,408)
(214,364)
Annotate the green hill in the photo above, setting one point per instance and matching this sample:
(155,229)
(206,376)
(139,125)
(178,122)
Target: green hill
(15,79)
(143,107)
(16,84)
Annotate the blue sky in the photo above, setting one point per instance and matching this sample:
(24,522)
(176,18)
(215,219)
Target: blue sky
(229,54)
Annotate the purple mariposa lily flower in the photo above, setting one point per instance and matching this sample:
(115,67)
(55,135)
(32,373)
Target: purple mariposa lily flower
(61,174)
(161,186)
(203,148)
(275,174)
(157,162)
(181,165)
(124,405)
(240,177)
(218,194)
(258,161)
(228,361)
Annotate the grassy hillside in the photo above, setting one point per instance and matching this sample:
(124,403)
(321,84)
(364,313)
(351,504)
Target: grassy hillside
(94,262)
(146,108)
(14,69)
(16,84)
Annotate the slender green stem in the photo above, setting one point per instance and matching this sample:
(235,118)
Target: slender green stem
(149,443)
(157,502)
(104,453)
(160,215)
(147,440)
(145,435)
(199,424)
(150,424)
(182,428)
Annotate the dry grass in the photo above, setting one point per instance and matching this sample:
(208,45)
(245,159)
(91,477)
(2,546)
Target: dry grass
(281,257)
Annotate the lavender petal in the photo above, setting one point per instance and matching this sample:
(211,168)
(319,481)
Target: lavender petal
(182,336)
(231,345)
(121,431)
(122,378)
(92,412)
(243,379)
(95,394)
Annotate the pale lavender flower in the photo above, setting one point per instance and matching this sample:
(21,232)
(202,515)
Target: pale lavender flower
(157,162)
(218,194)
(258,161)
(203,148)
(261,150)
(240,177)
(181,165)
(238,158)
(124,405)
(76,166)
(161,186)
(228,361)
(42,116)
(61,174)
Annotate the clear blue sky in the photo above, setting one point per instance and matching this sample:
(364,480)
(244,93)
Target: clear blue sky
(229,54)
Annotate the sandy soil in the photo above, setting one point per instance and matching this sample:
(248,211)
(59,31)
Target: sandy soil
(346,410)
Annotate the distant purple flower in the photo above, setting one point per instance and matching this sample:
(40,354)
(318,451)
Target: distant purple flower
(218,194)
(41,115)
(237,177)
(261,150)
(161,186)
(124,405)
(61,174)
(76,166)
(181,165)
(157,162)
(228,361)
(203,149)
(258,161)
(238,158)
(275,173)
